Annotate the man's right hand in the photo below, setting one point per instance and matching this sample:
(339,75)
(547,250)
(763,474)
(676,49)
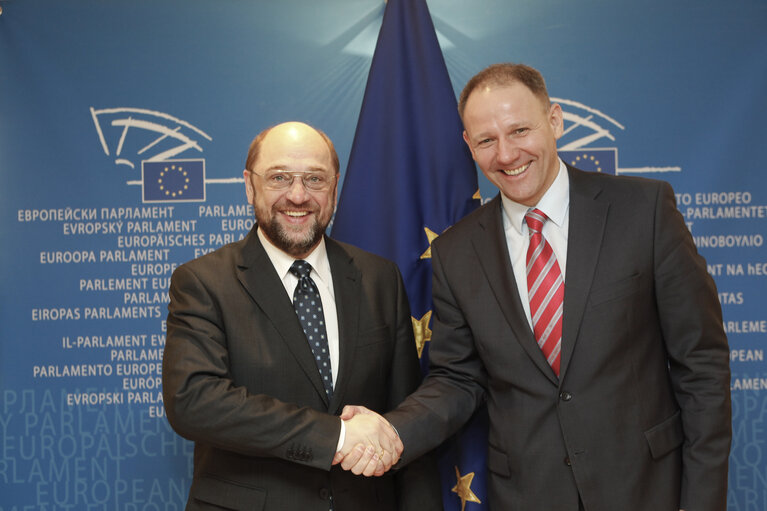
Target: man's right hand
(371,445)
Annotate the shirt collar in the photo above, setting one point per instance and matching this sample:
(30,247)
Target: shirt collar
(554,202)
(282,261)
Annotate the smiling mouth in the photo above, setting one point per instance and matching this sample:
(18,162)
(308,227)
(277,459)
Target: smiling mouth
(517,171)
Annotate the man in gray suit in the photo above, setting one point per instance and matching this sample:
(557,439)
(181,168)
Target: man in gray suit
(257,384)
(576,305)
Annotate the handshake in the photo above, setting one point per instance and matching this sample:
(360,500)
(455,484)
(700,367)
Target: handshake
(371,445)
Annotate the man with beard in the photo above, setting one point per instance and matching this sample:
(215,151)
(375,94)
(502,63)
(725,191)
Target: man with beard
(269,337)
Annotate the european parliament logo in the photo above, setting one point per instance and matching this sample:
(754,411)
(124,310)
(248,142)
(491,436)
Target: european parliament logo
(173,180)
(160,143)
(584,126)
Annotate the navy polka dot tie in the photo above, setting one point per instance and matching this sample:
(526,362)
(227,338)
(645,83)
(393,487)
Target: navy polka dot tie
(306,300)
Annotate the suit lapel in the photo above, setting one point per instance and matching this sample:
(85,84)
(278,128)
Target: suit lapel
(587,223)
(493,255)
(347,285)
(259,278)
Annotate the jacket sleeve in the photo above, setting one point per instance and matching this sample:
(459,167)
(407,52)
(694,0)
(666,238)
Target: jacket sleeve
(455,385)
(691,322)
(418,485)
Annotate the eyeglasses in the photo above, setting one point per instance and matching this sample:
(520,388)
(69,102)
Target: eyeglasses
(282,180)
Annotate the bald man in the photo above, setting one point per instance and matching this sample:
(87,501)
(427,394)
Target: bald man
(269,337)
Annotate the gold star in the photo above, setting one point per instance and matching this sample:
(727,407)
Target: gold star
(431,235)
(422,331)
(463,489)
(476,195)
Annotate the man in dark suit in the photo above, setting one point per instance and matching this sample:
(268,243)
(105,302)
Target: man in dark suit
(576,305)
(242,381)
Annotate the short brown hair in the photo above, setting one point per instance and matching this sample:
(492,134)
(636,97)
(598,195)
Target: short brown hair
(505,74)
(255,147)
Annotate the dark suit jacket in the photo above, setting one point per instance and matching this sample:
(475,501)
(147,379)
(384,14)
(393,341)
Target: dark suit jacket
(640,416)
(240,381)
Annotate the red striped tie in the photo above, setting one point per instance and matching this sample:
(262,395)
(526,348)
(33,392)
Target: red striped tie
(546,290)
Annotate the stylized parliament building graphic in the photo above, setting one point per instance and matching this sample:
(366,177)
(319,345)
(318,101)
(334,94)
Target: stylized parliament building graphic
(587,132)
(161,145)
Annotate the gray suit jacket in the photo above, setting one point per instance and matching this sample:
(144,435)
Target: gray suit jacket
(240,381)
(639,418)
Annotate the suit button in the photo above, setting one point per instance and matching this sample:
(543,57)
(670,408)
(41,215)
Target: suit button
(565,396)
(324,493)
(567,461)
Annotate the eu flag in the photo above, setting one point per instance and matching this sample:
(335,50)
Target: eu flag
(173,180)
(410,177)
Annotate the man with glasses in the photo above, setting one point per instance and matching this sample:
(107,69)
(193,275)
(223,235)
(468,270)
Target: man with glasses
(269,337)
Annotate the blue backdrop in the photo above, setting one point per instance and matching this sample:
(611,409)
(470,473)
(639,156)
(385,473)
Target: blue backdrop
(124,127)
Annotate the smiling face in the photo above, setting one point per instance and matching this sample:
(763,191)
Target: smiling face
(293,219)
(512,135)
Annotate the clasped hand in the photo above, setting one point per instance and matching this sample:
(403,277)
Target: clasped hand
(371,445)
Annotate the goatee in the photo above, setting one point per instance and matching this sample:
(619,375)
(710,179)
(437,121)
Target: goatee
(293,245)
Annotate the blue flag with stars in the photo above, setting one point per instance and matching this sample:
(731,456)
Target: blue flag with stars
(595,160)
(410,177)
(173,180)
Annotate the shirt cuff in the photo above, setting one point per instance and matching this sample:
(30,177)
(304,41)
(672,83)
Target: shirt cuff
(341,437)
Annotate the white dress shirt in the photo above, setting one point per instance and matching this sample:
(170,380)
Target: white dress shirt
(555,204)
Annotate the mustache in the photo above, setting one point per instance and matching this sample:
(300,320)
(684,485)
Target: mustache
(289,204)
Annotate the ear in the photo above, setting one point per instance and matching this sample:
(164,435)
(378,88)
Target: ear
(250,192)
(468,143)
(556,120)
